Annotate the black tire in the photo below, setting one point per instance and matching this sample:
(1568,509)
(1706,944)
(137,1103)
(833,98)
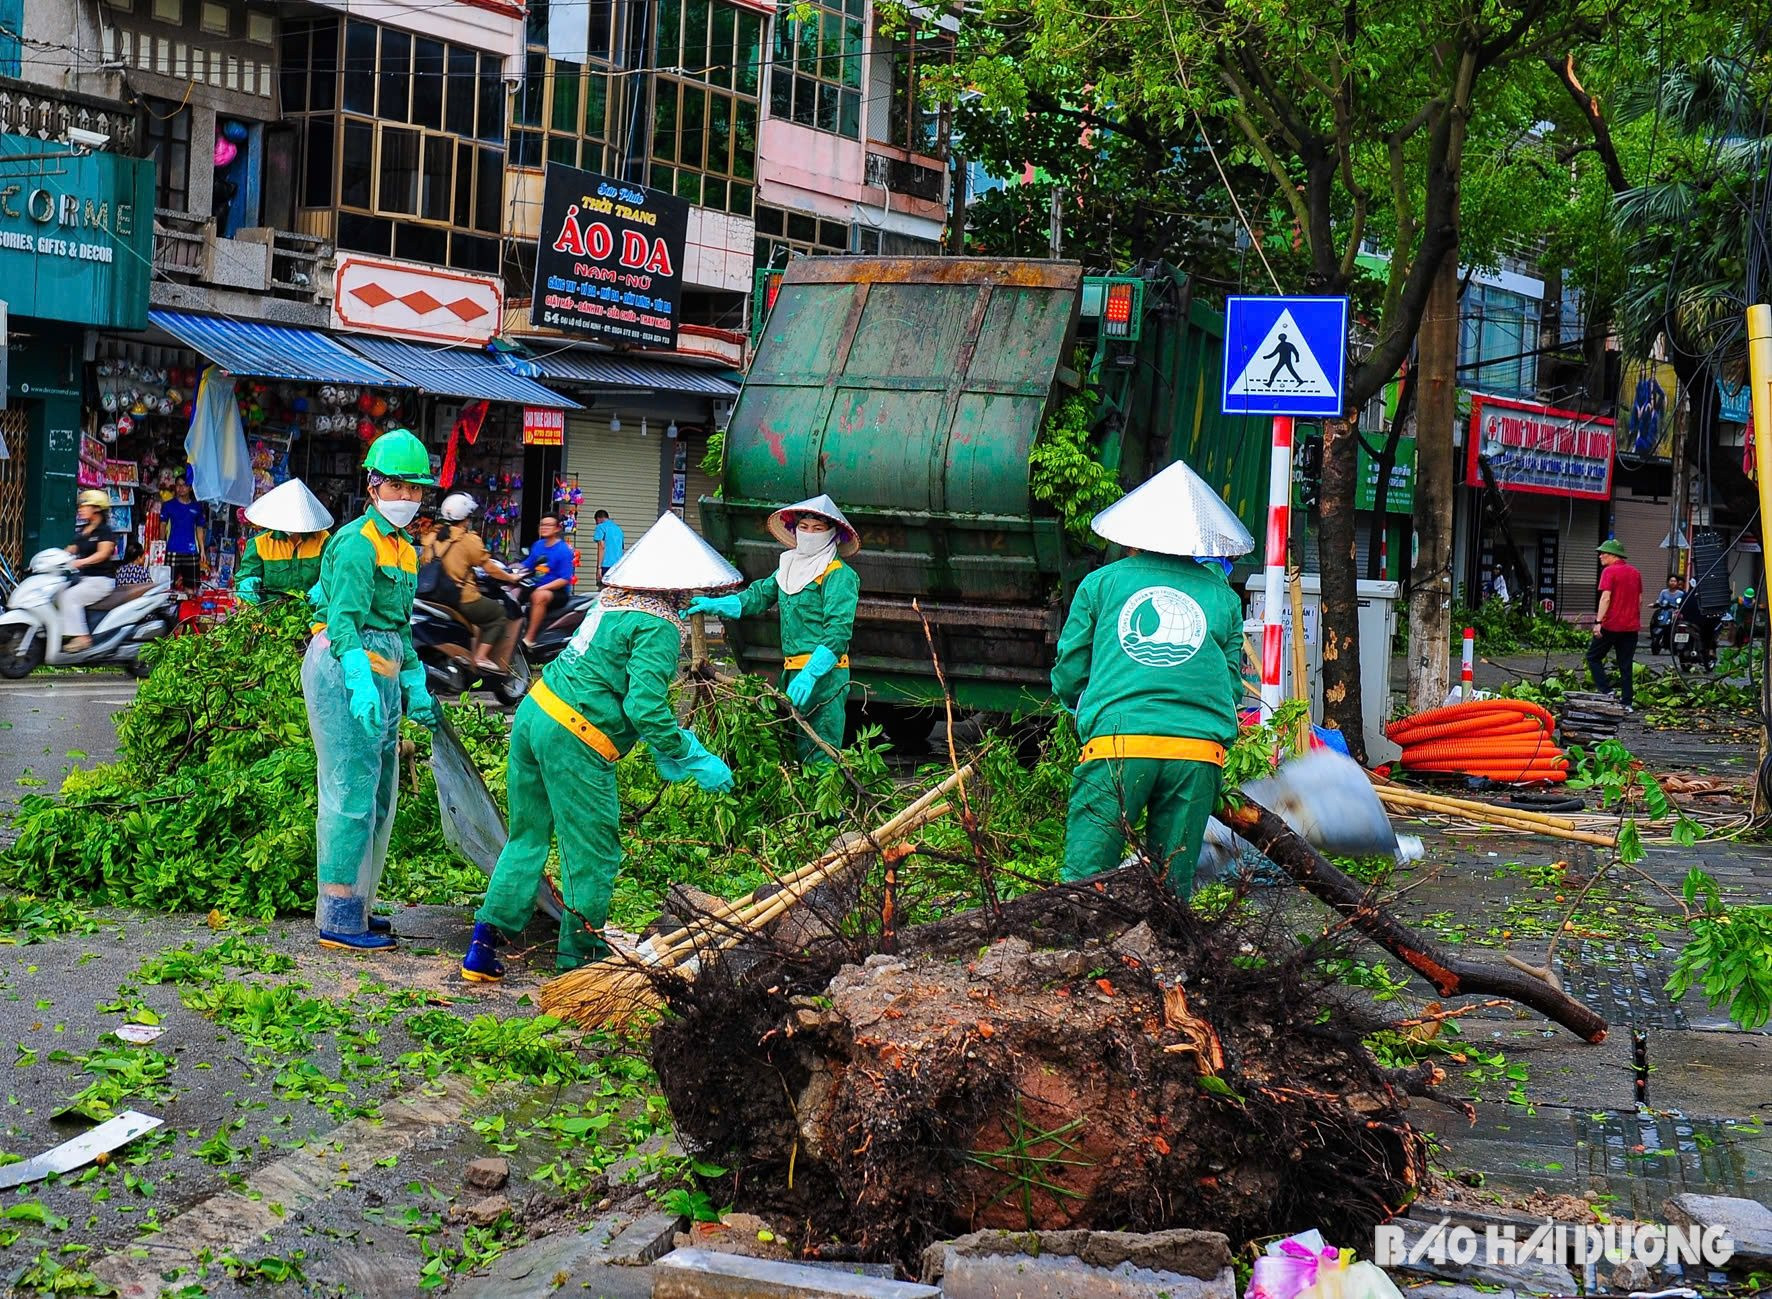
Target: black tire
(138,669)
(511,689)
(14,665)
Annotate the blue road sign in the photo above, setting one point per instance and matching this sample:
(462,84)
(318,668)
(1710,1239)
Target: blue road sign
(1285,356)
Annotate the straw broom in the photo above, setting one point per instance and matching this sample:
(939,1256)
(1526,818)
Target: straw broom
(618,988)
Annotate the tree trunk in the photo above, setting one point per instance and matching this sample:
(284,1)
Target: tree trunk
(1430,579)
(1339,625)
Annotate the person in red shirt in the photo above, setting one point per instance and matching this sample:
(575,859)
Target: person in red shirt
(1619,620)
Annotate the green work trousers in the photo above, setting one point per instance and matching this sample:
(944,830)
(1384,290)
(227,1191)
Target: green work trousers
(359,777)
(558,787)
(828,713)
(1108,796)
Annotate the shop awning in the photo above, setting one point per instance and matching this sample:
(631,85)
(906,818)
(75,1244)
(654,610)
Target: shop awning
(272,351)
(605,370)
(456,372)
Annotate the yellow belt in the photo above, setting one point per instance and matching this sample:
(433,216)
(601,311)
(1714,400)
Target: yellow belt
(1153,746)
(563,713)
(801,660)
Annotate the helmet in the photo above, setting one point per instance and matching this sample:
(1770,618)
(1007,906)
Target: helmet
(96,499)
(1611,546)
(399,454)
(457,506)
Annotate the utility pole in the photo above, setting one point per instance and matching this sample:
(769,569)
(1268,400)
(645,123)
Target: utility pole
(1759,375)
(1682,488)
(1055,228)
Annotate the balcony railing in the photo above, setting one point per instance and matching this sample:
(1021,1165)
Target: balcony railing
(258,259)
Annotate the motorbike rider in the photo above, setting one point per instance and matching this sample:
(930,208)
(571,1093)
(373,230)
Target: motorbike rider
(359,669)
(817,594)
(1150,665)
(96,556)
(1667,603)
(284,559)
(460,550)
(553,563)
(607,692)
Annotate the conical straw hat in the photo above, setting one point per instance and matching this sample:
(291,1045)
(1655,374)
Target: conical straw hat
(289,507)
(848,539)
(1175,513)
(670,557)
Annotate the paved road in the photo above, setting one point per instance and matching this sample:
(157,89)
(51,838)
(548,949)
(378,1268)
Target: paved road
(50,723)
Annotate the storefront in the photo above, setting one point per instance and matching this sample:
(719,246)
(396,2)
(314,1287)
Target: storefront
(1539,486)
(76,235)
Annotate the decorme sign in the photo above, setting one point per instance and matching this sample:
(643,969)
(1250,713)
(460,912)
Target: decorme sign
(609,262)
(76,234)
(1531,448)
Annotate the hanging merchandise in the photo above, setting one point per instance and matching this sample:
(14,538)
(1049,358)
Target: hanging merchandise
(568,496)
(467,425)
(216,444)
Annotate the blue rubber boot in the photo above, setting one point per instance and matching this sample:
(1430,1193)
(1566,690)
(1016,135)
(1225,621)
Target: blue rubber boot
(343,925)
(381,925)
(481,964)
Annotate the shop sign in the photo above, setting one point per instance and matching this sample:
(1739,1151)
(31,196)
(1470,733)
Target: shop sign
(1400,498)
(1736,403)
(543,427)
(1540,449)
(609,261)
(409,300)
(76,234)
(1649,410)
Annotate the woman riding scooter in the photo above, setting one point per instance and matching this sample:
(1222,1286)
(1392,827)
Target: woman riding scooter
(460,550)
(96,557)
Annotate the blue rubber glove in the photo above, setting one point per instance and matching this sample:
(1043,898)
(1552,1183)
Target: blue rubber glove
(704,768)
(248,589)
(420,707)
(365,696)
(806,680)
(721,606)
(317,596)
(675,769)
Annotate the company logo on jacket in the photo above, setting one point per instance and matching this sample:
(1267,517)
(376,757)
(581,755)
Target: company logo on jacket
(1161,627)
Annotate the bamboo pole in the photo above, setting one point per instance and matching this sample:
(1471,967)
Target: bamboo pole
(1500,818)
(1301,686)
(1397,794)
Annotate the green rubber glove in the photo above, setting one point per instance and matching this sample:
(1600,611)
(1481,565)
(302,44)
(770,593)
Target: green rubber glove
(249,589)
(721,606)
(806,679)
(420,707)
(365,697)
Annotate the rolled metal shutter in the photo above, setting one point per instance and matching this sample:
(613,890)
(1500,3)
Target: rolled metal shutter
(617,471)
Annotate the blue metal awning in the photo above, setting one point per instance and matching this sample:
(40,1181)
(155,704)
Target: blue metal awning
(608,371)
(457,372)
(272,351)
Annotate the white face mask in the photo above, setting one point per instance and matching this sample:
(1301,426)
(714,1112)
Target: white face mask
(398,513)
(809,541)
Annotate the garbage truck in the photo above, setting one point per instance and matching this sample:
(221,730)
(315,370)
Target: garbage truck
(913,389)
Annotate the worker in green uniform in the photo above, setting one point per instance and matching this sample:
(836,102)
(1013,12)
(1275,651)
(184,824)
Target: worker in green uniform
(608,691)
(360,670)
(1150,664)
(284,559)
(817,593)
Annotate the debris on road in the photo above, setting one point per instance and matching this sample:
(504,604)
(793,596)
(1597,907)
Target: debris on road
(84,1149)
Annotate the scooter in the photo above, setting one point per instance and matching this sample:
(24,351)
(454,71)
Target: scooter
(1661,628)
(445,644)
(121,624)
(1690,646)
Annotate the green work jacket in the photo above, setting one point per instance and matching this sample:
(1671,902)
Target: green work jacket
(1153,646)
(621,681)
(368,576)
(820,613)
(283,564)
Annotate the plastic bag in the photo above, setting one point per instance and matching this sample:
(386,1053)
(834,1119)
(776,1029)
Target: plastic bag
(1368,1281)
(1300,1267)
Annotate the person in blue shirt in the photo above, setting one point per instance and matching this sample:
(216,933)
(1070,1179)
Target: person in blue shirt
(186,542)
(607,534)
(553,563)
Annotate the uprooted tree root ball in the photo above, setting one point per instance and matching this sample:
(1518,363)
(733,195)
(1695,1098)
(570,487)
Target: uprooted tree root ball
(1120,1064)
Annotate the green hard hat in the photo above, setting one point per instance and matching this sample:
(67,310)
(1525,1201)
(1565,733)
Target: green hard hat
(1612,546)
(1748,594)
(399,454)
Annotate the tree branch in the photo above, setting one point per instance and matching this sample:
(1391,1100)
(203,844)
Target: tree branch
(1276,166)
(1589,105)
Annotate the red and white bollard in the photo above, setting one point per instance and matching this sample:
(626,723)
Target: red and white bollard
(1466,682)
(1279,525)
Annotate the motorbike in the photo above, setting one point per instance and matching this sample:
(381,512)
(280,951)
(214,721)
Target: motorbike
(1661,625)
(1690,646)
(563,619)
(445,644)
(121,624)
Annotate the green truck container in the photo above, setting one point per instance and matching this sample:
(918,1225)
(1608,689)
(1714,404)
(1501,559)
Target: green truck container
(912,389)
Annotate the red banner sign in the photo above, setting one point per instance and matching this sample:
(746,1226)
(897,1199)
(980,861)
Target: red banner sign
(1533,448)
(543,427)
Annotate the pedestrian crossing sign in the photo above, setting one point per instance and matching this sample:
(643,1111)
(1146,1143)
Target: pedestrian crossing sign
(1285,356)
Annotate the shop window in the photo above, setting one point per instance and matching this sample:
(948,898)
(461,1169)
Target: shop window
(398,130)
(168,139)
(815,78)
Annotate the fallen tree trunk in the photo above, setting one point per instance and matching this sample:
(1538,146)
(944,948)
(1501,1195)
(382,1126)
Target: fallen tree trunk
(1451,976)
